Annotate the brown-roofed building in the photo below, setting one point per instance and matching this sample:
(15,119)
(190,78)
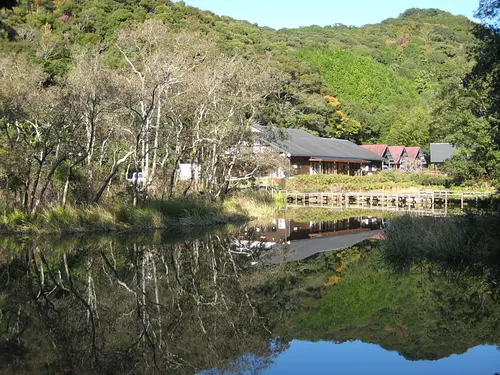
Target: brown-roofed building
(309,154)
(382,151)
(400,157)
(416,159)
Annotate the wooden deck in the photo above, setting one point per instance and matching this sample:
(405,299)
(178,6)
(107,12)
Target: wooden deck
(432,202)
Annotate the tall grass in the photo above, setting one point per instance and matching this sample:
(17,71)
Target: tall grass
(154,214)
(470,242)
(13,221)
(254,204)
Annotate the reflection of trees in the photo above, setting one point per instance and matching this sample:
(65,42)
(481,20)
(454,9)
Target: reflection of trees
(453,312)
(162,308)
(145,306)
(456,290)
(424,313)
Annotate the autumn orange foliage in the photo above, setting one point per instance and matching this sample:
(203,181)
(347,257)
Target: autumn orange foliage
(332,280)
(332,101)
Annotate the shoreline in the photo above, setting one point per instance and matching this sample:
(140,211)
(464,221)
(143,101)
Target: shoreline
(127,219)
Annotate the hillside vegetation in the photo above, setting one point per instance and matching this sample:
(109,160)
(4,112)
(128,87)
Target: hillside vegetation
(375,71)
(95,91)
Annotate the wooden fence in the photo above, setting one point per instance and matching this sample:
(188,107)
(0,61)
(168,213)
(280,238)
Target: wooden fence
(431,200)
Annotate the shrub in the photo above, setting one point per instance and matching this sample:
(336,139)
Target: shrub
(426,179)
(381,181)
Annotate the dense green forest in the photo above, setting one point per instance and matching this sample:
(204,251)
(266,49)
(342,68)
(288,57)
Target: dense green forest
(95,91)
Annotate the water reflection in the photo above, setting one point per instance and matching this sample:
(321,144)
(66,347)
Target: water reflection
(121,305)
(283,229)
(329,357)
(148,304)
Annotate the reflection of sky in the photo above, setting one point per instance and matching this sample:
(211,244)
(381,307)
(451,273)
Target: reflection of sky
(358,358)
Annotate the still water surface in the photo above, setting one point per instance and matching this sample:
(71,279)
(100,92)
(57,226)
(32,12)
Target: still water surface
(211,304)
(356,357)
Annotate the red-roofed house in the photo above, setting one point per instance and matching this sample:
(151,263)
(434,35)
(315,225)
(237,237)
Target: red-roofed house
(382,151)
(416,159)
(400,157)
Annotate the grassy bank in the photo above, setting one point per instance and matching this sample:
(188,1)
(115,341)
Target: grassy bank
(155,214)
(257,205)
(382,181)
(458,243)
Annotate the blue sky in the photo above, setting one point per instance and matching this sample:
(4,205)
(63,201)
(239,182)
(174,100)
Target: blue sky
(295,13)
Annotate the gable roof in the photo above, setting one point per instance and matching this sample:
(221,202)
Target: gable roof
(440,152)
(301,143)
(397,152)
(413,152)
(377,149)
(344,149)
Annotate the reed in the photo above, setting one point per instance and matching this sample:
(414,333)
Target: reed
(469,242)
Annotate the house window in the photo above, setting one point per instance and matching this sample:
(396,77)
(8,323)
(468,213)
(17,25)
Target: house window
(328,167)
(314,167)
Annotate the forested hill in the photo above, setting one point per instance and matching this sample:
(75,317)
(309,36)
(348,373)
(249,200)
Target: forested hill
(376,83)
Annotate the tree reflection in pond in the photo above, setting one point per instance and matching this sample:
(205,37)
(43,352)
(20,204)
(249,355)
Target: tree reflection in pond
(422,314)
(114,306)
(122,305)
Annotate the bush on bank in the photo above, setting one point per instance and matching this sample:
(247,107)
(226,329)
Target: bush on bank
(381,181)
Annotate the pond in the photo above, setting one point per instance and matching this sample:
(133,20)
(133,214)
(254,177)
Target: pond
(225,302)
